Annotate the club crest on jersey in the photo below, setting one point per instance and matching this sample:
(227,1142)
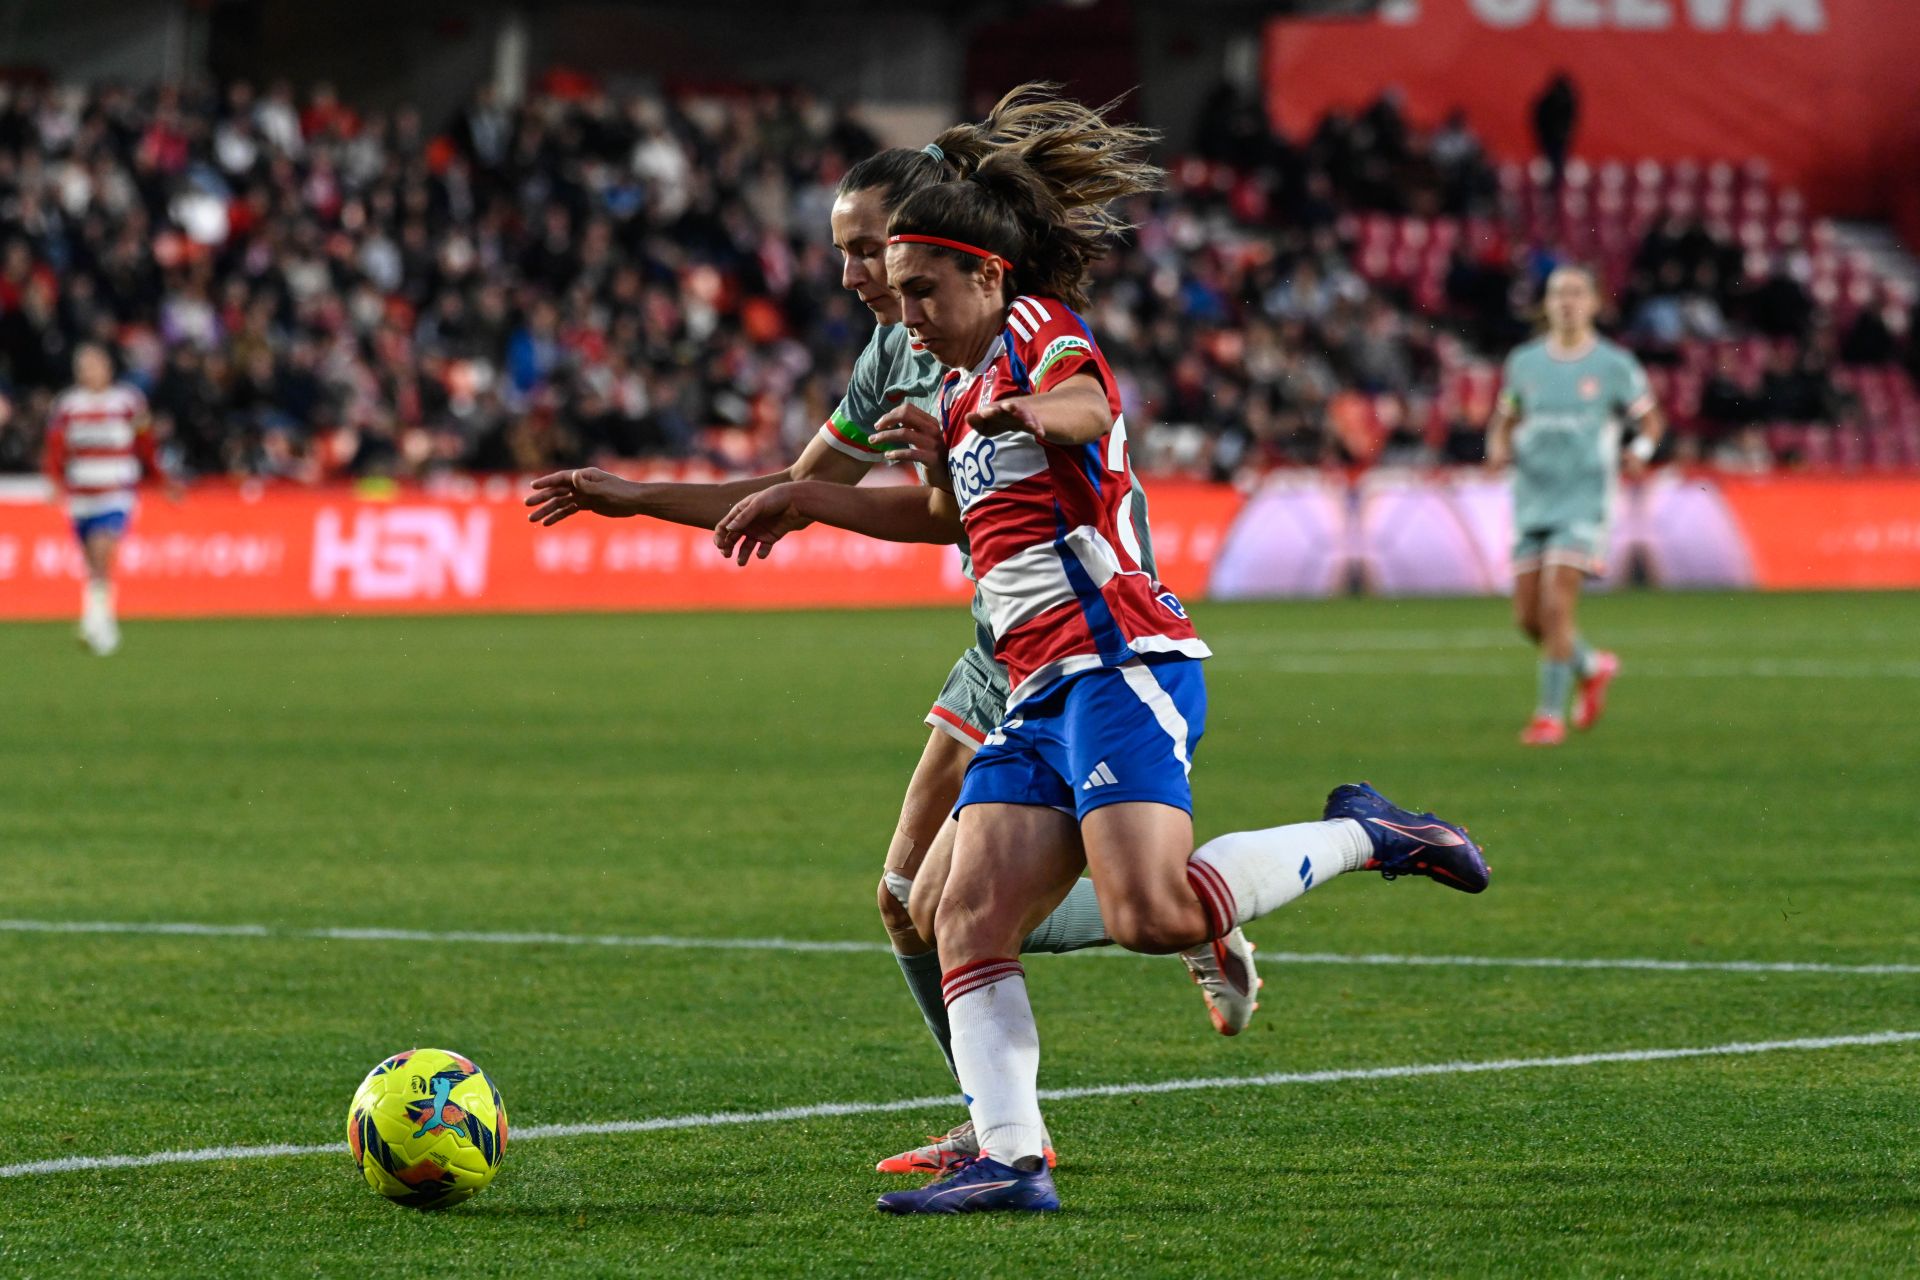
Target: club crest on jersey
(1589,388)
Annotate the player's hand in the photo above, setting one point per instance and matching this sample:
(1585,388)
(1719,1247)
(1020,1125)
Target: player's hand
(566,493)
(758,521)
(1633,466)
(917,434)
(1499,453)
(1015,413)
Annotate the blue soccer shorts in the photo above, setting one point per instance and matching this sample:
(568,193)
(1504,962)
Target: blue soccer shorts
(1101,737)
(113,522)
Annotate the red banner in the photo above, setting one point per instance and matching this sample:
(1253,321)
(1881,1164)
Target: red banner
(1824,90)
(1835,531)
(221,552)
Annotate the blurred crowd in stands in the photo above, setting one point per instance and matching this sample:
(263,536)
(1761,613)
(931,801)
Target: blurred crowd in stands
(308,291)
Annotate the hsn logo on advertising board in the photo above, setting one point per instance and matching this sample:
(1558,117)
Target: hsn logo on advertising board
(400,553)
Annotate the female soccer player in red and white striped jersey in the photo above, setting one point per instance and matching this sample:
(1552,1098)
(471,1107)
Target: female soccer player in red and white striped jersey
(1090,767)
(895,370)
(99,447)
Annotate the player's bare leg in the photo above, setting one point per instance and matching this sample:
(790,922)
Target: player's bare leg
(99,629)
(923,813)
(1526,603)
(1012,864)
(1223,968)
(1546,728)
(1013,861)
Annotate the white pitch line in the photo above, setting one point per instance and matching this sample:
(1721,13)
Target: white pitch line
(343,934)
(830,1110)
(1572,962)
(1308,663)
(805,946)
(1394,639)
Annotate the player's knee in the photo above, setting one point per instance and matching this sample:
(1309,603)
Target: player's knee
(1154,928)
(906,936)
(972,924)
(892,910)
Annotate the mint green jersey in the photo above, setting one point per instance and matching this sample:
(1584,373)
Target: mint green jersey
(894,370)
(1566,446)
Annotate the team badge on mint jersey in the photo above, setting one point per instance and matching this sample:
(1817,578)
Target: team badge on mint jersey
(1589,388)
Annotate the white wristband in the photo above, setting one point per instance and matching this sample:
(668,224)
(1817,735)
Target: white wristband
(1643,448)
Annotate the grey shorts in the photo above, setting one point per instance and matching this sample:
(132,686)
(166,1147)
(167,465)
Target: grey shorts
(1578,546)
(973,701)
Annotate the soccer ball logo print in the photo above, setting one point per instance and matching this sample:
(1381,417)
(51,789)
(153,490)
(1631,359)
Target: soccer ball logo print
(436,1112)
(427,1128)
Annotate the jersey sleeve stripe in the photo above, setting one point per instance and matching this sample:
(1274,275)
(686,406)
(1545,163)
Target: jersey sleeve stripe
(1642,407)
(1019,325)
(845,430)
(1037,307)
(845,444)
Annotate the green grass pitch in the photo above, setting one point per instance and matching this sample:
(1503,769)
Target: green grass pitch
(1751,797)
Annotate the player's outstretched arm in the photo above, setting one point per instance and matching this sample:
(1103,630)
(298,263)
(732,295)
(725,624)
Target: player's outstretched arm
(903,513)
(567,493)
(1074,412)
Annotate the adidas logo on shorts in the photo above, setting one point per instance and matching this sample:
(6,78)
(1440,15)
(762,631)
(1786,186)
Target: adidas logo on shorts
(1100,777)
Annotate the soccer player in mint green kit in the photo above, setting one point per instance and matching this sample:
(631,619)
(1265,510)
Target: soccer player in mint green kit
(891,372)
(1563,398)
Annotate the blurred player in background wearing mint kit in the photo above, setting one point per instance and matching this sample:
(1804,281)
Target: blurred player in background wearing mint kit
(99,447)
(895,372)
(1562,400)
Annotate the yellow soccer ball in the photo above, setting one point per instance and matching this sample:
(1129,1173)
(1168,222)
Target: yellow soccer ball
(427,1128)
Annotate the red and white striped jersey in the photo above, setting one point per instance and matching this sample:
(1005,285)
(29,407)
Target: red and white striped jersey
(98,447)
(1051,526)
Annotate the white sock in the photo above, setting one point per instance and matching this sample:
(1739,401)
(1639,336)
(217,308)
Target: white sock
(996,1050)
(1243,876)
(96,605)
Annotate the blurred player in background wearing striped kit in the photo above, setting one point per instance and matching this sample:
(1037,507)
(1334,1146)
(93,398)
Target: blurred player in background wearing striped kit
(99,447)
(1562,400)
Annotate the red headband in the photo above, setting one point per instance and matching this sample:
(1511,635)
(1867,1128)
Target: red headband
(977,252)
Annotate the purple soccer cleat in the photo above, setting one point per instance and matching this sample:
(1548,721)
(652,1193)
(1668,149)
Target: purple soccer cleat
(1410,844)
(978,1185)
